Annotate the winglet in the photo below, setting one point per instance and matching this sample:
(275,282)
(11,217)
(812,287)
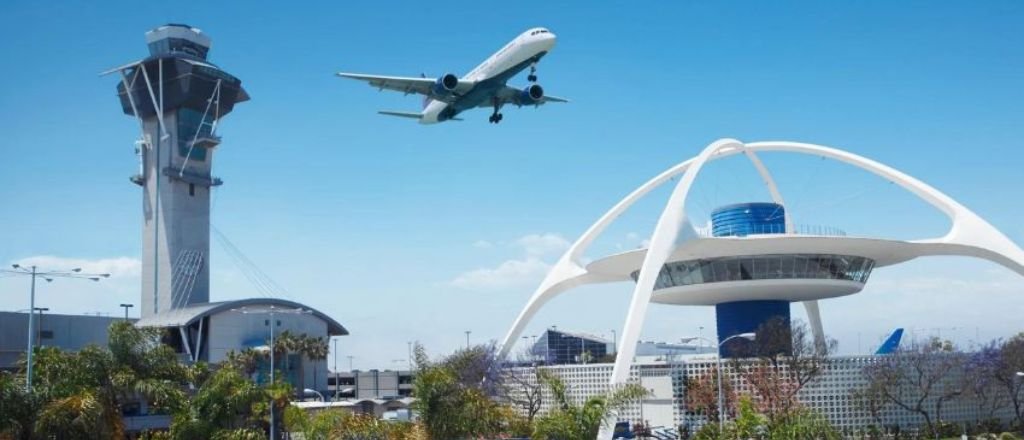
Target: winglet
(411,115)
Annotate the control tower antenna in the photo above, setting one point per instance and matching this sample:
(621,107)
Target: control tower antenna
(178,115)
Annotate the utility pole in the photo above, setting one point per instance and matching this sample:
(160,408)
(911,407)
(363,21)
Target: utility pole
(467,338)
(48,275)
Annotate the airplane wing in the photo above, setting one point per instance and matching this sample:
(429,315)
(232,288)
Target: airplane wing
(407,85)
(512,95)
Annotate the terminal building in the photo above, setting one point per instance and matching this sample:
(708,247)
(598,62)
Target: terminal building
(750,264)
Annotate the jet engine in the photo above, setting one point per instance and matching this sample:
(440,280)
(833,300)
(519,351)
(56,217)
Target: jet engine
(531,94)
(446,84)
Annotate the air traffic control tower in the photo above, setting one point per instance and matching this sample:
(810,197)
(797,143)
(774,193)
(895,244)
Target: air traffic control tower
(178,98)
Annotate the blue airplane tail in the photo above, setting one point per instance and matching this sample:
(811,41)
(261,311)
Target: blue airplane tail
(892,344)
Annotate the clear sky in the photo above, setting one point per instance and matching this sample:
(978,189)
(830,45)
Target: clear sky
(407,232)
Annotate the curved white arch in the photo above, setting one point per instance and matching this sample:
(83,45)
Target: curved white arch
(969,235)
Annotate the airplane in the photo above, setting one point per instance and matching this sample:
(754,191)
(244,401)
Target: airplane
(892,344)
(484,86)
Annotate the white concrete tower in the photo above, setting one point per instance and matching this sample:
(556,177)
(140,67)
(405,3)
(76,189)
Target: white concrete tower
(178,98)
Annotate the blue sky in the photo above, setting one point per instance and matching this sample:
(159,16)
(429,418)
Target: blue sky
(408,232)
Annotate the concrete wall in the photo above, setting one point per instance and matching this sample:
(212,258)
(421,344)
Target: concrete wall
(69,332)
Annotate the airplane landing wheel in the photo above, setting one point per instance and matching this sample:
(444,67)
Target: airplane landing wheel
(531,78)
(495,118)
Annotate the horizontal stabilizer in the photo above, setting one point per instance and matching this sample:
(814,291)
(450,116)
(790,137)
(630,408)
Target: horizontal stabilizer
(412,115)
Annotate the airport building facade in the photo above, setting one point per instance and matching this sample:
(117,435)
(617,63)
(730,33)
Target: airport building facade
(830,394)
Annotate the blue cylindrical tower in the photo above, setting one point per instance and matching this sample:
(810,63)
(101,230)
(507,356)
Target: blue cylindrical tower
(744,219)
(733,318)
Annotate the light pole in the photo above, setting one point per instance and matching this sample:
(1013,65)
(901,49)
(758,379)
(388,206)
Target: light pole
(39,325)
(312,391)
(721,410)
(467,338)
(126,307)
(614,342)
(350,362)
(271,311)
(410,354)
(47,275)
(335,341)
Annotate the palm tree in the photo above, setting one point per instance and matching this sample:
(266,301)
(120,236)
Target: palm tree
(316,350)
(569,421)
(82,393)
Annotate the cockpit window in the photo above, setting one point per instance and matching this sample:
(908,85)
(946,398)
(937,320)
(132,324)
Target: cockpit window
(539,31)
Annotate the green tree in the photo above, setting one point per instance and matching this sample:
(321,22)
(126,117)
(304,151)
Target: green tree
(17,409)
(453,395)
(570,421)
(82,393)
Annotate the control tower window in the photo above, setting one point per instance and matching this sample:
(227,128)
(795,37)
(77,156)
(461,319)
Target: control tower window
(178,46)
(189,121)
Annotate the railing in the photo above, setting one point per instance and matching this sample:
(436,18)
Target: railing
(766,229)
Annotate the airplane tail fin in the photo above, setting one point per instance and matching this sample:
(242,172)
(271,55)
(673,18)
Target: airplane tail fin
(892,344)
(410,115)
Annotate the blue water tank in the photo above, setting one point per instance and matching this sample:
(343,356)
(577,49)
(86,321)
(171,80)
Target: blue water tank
(738,317)
(748,218)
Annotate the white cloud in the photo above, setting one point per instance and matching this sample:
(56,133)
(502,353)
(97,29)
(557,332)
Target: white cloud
(509,274)
(542,244)
(119,267)
(76,296)
(483,244)
(524,271)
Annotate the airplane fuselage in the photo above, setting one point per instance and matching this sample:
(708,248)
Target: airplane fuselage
(491,75)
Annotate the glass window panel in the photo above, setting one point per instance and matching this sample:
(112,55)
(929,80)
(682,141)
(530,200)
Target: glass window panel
(774,270)
(787,267)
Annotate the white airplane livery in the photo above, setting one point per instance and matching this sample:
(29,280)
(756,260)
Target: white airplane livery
(484,86)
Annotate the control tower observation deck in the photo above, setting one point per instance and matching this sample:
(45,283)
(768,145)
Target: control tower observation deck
(178,97)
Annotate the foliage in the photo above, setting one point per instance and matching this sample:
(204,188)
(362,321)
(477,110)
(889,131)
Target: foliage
(919,378)
(1010,361)
(82,393)
(569,421)
(226,404)
(798,423)
(453,395)
(17,409)
(702,396)
(785,359)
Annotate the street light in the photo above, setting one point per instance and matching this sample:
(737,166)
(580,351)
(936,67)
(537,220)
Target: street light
(467,338)
(49,276)
(39,326)
(312,391)
(271,311)
(126,307)
(750,336)
(335,341)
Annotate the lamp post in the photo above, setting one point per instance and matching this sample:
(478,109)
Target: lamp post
(614,342)
(312,391)
(39,325)
(467,338)
(336,386)
(350,362)
(750,336)
(49,276)
(126,307)
(271,311)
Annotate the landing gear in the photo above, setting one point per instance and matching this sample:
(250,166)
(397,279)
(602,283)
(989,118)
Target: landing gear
(496,117)
(532,77)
